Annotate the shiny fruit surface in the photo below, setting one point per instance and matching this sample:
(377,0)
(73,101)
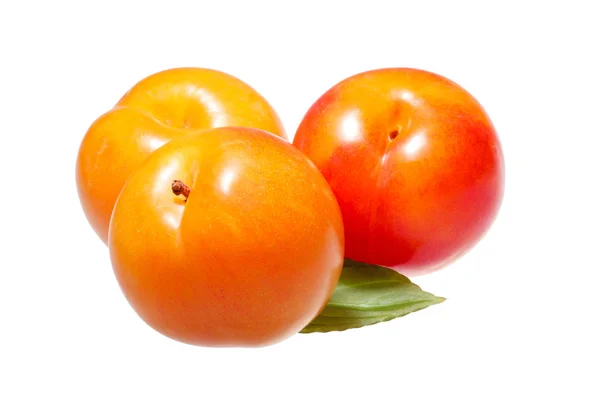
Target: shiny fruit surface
(248,258)
(158,108)
(414,161)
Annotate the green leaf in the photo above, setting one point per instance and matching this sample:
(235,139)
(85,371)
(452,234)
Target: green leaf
(369,294)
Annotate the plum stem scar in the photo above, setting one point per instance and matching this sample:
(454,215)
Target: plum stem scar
(178,187)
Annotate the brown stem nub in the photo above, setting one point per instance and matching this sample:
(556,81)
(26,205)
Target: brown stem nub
(179,187)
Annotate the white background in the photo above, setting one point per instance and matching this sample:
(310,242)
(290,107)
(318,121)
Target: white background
(522,311)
